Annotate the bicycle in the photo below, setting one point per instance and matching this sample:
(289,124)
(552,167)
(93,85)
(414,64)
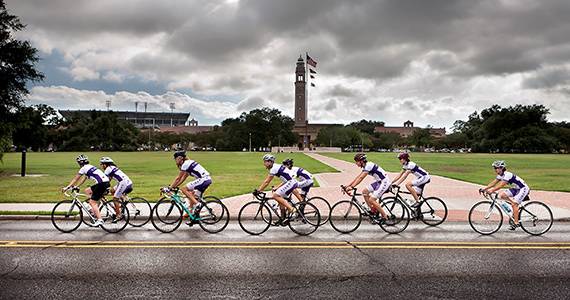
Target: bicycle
(256,217)
(431,211)
(346,215)
(67,215)
(486,217)
(166,215)
(322,205)
(139,210)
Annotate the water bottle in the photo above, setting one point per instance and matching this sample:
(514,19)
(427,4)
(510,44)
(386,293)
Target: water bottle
(365,206)
(185,204)
(273,205)
(410,202)
(507,207)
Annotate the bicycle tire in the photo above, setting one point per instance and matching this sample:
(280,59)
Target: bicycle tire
(491,214)
(66,212)
(433,211)
(252,216)
(140,211)
(307,220)
(166,215)
(345,216)
(214,215)
(324,208)
(532,213)
(398,216)
(87,219)
(109,215)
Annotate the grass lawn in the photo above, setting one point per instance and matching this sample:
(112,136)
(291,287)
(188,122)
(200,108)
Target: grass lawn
(550,172)
(233,173)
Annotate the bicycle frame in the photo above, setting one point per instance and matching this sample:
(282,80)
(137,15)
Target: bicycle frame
(408,207)
(74,195)
(364,211)
(177,199)
(494,197)
(262,197)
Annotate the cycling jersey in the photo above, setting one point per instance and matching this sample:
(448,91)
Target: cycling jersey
(281,171)
(301,173)
(115,173)
(375,171)
(93,173)
(194,169)
(415,169)
(511,178)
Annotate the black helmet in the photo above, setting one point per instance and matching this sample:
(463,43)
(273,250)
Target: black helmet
(179,153)
(288,162)
(359,157)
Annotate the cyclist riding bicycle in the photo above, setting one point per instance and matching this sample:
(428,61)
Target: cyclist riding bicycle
(284,190)
(373,191)
(195,188)
(416,186)
(94,192)
(124,184)
(304,178)
(514,195)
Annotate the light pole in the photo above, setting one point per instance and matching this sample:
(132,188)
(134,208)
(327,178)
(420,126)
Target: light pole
(250,142)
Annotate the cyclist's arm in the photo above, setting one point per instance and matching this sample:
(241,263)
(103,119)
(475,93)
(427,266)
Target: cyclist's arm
(498,187)
(357,180)
(179,179)
(75,179)
(265,182)
(490,185)
(403,176)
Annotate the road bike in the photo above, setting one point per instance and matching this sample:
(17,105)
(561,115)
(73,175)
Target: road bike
(346,215)
(167,214)
(322,205)
(257,216)
(67,215)
(486,217)
(431,210)
(139,211)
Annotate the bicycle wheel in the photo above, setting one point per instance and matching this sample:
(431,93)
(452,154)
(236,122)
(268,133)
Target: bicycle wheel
(398,216)
(324,208)
(139,211)
(535,218)
(166,215)
(253,217)
(213,216)
(88,219)
(389,203)
(307,220)
(485,218)
(345,216)
(115,216)
(432,211)
(66,216)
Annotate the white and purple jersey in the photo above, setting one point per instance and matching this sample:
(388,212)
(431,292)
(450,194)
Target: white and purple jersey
(115,173)
(281,171)
(415,169)
(511,178)
(194,169)
(301,173)
(93,173)
(375,171)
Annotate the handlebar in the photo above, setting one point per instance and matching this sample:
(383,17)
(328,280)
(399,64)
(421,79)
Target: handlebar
(259,195)
(72,191)
(168,191)
(345,191)
(489,196)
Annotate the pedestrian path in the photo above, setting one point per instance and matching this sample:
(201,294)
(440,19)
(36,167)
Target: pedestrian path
(459,196)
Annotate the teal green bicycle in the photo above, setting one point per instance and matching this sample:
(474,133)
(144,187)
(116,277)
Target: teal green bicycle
(166,216)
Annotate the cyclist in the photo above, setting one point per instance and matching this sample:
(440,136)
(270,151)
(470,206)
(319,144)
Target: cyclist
(124,184)
(375,190)
(94,192)
(514,195)
(305,179)
(416,186)
(284,190)
(195,188)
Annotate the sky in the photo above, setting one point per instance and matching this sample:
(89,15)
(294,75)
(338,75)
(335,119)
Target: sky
(432,62)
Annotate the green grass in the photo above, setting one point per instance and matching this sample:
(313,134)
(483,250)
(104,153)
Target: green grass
(233,173)
(550,172)
(28,212)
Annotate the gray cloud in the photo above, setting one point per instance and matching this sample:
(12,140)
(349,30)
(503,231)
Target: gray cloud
(250,103)
(548,78)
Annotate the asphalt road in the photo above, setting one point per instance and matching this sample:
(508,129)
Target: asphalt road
(451,261)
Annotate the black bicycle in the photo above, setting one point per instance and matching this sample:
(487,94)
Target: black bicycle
(346,215)
(257,216)
(431,210)
(322,205)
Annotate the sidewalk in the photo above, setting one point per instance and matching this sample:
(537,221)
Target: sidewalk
(459,196)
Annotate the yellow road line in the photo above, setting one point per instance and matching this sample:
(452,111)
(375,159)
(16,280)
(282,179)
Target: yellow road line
(554,247)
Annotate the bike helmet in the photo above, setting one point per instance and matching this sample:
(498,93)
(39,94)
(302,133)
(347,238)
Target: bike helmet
(404,155)
(82,159)
(179,153)
(360,157)
(288,162)
(268,157)
(499,164)
(106,160)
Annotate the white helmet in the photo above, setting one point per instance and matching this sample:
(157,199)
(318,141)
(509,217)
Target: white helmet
(499,164)
(82,158)
(106,160)
(269,157)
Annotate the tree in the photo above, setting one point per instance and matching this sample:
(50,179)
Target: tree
(17,59)
(32,125)
(366,126)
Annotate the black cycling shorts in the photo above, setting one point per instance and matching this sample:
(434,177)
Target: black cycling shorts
(98,190)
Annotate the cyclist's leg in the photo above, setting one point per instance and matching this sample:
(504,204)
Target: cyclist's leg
(96,193)
(508,195)
(418,186)
(304,187)
(374,192)
(284,191)
(190,189)
(120,190)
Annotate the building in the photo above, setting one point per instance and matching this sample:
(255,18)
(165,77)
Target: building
(307,132)
(408,129)
(192,128)
(139,119)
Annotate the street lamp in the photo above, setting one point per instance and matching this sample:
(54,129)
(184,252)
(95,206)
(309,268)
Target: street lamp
(250,142)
